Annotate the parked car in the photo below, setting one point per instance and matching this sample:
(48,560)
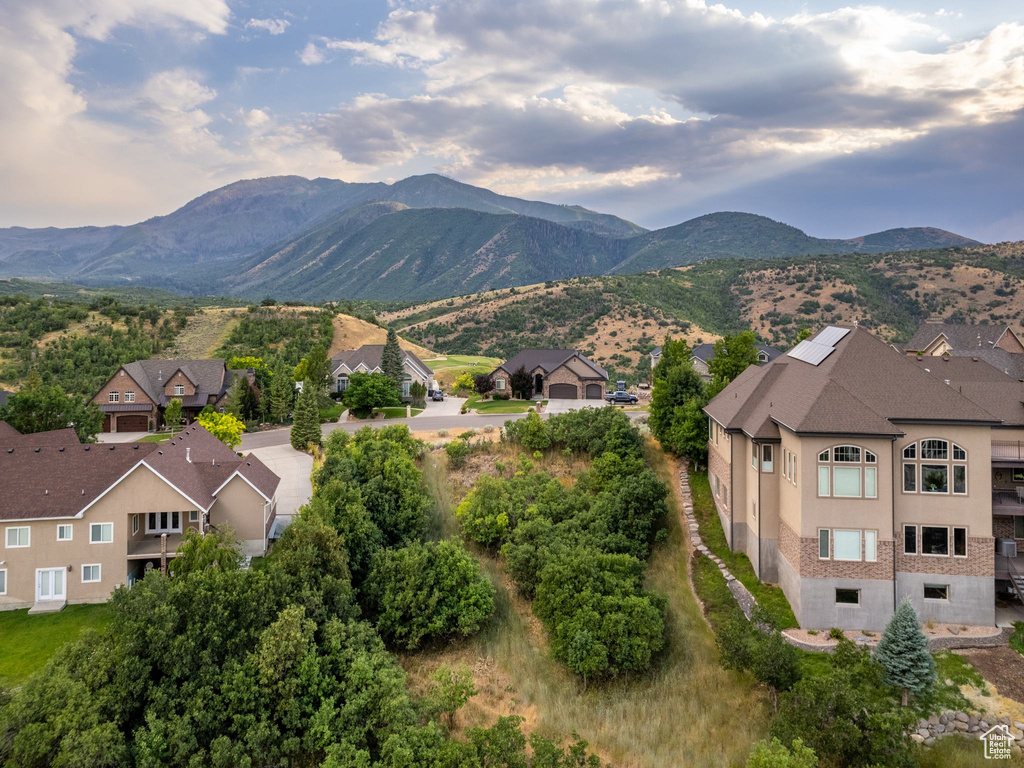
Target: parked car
(621,397)
(437,395)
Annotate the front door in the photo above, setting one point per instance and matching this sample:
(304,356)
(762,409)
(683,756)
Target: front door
(50,584)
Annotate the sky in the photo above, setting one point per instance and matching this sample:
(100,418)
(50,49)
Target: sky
(839,119)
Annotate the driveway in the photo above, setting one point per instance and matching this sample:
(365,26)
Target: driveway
(294,468)
(450,406)
(564,406)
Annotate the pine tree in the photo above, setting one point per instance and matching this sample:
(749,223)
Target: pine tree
(282,393)
(903,653)
(306,427)
(391,358)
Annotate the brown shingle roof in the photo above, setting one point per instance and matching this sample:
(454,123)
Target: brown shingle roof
(863,387)
(209,377)
(550,359)
(964,339)
(9,436)
(986,385)
(369,355)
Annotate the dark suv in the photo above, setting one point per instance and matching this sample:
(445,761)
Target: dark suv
(621,397)
(437,395)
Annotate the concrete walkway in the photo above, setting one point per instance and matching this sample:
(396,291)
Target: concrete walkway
(120,437)
(294,468)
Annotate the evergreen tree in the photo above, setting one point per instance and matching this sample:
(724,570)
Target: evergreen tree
(282,394)
(391,358)
(903,653)
(306,428)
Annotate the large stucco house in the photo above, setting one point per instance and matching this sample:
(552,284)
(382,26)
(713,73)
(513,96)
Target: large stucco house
(367,359)
(80,520)
(854,476)
(558,374)
(134,398)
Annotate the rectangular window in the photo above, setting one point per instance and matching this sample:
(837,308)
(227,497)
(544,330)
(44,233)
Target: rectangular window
(343,384)
(909,539)
(499,384)
(847,597)
(960,542)
(794,469)
(910,478)
(163,522)
(934,449)
(3,581)
(934,540)
(936,591)
(129,396)
(65,531)
(871,482)
(846,545)
(179,389)
(767,461)
(846,453)
(846,481)
(934,478)
(823,544)
(135,524)
(193,515)
(959,478)
(753,455)
(823,481)
(101,533)
(113,397)
(871,546)
(90,574)
(406,388)
(18,537)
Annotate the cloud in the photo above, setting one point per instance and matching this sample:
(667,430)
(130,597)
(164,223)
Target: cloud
(273,26)
(311,54)
(603,89)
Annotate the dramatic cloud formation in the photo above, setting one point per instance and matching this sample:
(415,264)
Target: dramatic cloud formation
(653,109)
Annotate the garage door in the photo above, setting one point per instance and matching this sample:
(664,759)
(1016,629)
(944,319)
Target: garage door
(132,423)
(562,392)
(595,392)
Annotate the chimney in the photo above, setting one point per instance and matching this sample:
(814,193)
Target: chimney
(188,454)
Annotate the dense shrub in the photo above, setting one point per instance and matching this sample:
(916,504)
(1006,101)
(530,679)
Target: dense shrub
(457,451)
(425,592)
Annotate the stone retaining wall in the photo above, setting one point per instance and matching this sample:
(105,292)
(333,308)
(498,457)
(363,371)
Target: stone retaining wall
(938,727)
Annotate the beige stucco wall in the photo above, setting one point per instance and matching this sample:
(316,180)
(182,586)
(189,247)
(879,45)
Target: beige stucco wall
(246,511)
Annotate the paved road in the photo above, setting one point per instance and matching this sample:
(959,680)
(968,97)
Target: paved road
(421,422)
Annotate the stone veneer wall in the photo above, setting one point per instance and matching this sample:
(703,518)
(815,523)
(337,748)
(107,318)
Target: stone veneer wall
(802,555)
(980,561)
(563,375)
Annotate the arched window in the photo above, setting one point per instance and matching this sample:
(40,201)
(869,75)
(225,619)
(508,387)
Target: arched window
(934,465)
(848,472)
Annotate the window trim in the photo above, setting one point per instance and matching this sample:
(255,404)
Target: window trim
(499,383)
(99,572)
(170,518)
(94,525)
(3,590)
(7,536)
(70,527)
(935,466)
(135,523)
(925,587)
(129,395)
(768,465)
(916,537)
(828,543)
(113,397)
(966,546)
(932,554)
(916,467)
(864,539)
(835,597)
(193,515)
(956,459)
(860,545)
(860,482)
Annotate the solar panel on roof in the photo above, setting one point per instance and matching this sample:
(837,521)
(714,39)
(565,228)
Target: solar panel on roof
(831,336)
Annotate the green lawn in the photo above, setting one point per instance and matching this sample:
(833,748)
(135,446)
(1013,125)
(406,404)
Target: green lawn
(464,361)
(331,413)
(30,641)
(499,406)
(398,412)
(157,437)
(770,598)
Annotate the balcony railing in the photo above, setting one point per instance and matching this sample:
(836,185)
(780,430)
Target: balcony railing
(150,545)
(1007,450)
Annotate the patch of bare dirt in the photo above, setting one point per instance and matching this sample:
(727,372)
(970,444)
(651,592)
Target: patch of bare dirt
(1003,668)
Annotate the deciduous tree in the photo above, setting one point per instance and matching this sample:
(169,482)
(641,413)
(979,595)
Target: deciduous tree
(39,407)
(223,426)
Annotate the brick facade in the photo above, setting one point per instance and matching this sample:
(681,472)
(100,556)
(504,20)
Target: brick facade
(179,378)
(980,561)
(802,555)
(121,382)
(1002,528)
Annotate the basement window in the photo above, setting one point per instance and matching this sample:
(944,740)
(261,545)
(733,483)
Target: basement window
(847,597)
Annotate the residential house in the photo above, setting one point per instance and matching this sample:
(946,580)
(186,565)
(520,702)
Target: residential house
(80,520)
(855,476)
(367,359)
(134,398)
(997,345)
(703,354)
(558,374)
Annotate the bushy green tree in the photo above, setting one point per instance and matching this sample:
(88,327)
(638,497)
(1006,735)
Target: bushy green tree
(172,413)
(775,754)
(733,355)
(425,592)
(534,432)
(452,687)
(223,426)
(903,653)
(369,391)
(391,358)
(488,512)
(521,383)
(39,407)
(315,367)
(242,399)
(306,423)
(680,384)
(688,433)
(282,394)
(197,552)
(457,452)
(673,353)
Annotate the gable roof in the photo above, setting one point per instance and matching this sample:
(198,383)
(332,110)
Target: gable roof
(964,339)
(369,356)
(1001,394)
(863,388)
(10,437)
(706,352)
(210,377)
(62,480)
(550,359)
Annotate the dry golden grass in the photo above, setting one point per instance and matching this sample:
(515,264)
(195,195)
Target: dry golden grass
(687,711)
(352,333)
(204,334)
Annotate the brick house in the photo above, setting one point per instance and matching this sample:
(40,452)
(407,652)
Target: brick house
(558,374)
(80,520)
(134,398)
(855,476)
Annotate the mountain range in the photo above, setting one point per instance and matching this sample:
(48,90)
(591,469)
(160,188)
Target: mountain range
(420,238)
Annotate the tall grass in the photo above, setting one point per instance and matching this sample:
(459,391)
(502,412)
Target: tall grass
(687,711)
